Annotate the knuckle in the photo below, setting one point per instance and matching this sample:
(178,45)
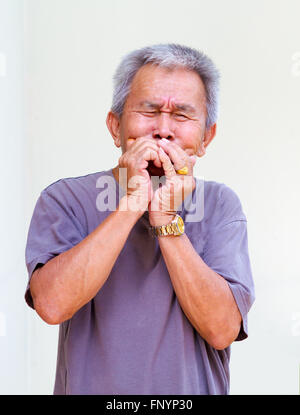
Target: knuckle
(121,161)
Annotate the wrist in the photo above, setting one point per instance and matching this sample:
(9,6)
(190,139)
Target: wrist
(160,220)
(174,227)
(127,206)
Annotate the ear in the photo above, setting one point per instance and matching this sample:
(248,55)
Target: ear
(209,134)
(113,124)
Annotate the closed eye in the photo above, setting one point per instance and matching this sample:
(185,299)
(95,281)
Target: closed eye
(149,113)
(180,116)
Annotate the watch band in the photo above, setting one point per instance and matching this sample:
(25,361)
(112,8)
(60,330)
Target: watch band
(176,227)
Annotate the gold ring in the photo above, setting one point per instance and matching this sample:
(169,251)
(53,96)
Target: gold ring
(184,170)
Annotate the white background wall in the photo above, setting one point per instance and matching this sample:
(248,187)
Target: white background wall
(14,334)
(72,48)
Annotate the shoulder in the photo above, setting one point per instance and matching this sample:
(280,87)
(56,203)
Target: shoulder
(71,199)
(73,195)
(221,194)
(76,189)
(221,203)
(87,181)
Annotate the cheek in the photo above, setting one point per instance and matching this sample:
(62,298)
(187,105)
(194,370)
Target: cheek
(139,126)
(134,126)
(189,136)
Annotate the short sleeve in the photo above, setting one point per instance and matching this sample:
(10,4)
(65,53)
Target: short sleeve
(54,228)
(226,252)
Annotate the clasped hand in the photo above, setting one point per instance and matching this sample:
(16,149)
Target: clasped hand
(161,195)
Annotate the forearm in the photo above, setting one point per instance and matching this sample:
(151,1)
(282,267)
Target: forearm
(204,295)
(70,280)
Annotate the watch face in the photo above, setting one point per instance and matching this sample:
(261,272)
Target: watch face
(180,224)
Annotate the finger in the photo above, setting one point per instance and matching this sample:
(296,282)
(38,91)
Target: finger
(146,149)
(182,160)
(149,153)
(191,163)
(193,160)
(166,164)
(176,154)
(139,141)
(153,147)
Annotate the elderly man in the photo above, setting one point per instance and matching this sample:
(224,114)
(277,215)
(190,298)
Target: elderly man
(148,302)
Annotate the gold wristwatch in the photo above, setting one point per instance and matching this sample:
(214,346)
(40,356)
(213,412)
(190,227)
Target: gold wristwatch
(176,227)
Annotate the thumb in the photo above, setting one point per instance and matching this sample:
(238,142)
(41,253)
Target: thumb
(193,160)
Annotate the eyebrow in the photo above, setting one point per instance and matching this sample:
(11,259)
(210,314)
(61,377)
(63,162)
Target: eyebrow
(181,107)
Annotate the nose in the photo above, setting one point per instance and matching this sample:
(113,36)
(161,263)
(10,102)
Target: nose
(163,127)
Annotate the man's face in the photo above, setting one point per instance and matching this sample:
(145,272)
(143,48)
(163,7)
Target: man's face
(165,103)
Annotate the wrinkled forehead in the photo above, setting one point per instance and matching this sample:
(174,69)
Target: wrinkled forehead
(153,83)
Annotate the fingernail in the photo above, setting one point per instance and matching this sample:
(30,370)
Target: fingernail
(164,140)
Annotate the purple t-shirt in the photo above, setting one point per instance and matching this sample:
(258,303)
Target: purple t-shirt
(133,337)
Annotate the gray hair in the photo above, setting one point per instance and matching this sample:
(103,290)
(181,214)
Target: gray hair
(168,56)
